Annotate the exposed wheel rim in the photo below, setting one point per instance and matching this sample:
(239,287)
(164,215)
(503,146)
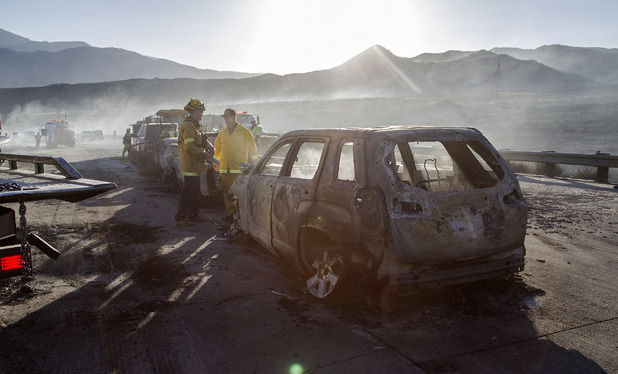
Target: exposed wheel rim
(234,230)
(328,274)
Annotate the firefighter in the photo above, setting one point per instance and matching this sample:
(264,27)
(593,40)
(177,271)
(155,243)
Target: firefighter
(173,132)
(126,140)
(256,130)
(233,145)
(37,139)
(193,158)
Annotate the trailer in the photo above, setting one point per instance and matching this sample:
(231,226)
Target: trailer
(20,185)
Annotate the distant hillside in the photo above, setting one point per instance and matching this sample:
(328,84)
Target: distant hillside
(598,64)
(24,63)
(20,44)
(455,72)
(90,65)
(375,72)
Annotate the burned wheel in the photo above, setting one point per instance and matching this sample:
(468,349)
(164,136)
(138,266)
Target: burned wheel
(234,231)
(329,271)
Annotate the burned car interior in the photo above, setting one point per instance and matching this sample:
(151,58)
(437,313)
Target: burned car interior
(446,166)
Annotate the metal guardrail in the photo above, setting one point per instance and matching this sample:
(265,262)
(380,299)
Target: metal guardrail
(65,183)
(601,161)
(39,161)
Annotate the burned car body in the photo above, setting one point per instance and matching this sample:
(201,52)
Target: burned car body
(419,207)
(168,161)
(145,144)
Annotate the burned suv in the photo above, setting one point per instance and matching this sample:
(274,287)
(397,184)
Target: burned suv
(417,207)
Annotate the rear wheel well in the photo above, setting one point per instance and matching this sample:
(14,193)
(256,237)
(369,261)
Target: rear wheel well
(311,244)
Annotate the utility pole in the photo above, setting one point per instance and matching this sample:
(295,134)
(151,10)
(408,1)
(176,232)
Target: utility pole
(496,84)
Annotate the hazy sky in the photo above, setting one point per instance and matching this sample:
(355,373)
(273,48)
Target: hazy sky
(294,36)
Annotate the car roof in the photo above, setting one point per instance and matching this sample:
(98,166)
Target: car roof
(433,132)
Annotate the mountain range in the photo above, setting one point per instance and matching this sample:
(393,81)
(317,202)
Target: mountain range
(26,63)
(60,72)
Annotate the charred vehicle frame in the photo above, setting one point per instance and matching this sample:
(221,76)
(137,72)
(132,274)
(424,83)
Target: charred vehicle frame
(416,207)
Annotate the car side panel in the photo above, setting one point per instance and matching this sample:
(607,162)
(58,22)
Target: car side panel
(292,199)
(259,209)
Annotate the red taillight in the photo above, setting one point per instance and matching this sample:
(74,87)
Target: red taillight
(9,263)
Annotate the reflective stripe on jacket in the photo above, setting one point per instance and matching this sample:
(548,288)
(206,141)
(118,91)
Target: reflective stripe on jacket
(190,150)
(232,149)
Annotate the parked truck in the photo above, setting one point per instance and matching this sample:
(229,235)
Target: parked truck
(58,132)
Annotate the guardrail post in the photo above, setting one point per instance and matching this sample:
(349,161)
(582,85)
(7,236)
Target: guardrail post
(602,172)
(550,170)
(39,168)
(602,175)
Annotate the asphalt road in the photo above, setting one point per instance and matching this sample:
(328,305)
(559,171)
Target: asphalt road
(132,293)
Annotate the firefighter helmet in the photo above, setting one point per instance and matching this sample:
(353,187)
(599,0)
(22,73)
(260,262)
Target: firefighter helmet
(195,104)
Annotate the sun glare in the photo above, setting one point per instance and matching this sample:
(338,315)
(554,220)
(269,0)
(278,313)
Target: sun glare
(327,33)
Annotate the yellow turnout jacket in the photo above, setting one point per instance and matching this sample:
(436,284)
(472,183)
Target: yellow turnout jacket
(232,149)
(190,148)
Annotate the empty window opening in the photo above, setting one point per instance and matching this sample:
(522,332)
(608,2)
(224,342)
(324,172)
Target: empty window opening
(307,160)
(447,165)
(346,163)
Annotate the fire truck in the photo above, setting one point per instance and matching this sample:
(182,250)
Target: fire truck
(244,118)
(58,132)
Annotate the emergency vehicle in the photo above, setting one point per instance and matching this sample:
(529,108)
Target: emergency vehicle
(58,132)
